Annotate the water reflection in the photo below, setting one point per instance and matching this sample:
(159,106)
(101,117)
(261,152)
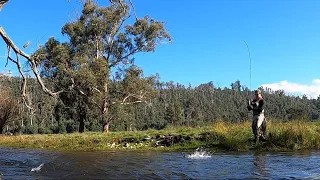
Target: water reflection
(260,164)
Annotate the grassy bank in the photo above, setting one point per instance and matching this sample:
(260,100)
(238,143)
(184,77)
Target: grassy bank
(220,136)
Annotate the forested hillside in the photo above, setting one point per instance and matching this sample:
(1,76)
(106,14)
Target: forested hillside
(172,105)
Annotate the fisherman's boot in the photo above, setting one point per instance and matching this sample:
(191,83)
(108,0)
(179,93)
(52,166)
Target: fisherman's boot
(263,137)
(256,139)
(263,130)
(257,135)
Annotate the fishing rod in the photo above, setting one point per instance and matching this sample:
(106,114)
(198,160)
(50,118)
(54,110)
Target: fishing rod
(249,59)
(248,100)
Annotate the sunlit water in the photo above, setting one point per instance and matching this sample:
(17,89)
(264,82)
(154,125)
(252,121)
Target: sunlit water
(199,154)
(37,164)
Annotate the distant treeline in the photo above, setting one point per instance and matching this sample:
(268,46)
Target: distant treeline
(173,105)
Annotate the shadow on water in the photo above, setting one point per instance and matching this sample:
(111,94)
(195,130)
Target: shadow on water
(19,163)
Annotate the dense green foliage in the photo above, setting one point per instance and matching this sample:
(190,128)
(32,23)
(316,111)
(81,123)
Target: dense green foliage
(174,105)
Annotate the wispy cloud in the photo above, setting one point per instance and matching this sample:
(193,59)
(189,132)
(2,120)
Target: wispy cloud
(311,90)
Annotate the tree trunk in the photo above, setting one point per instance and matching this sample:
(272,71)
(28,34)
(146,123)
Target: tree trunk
(1,128)
(81,126)
(107,123)
(82,110)
(82,118)
(106,127)
(31,117)
(105,109)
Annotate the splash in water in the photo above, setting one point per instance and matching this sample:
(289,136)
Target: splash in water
(199,154)
(37,168)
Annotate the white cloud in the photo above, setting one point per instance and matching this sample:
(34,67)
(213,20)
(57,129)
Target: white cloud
(311,90)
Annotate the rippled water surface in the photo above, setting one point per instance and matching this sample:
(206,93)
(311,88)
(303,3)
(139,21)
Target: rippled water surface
(37,164)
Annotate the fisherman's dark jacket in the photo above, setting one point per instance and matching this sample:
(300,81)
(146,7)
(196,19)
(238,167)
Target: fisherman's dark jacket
(256,106)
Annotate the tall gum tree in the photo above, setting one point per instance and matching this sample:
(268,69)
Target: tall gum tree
(96,66)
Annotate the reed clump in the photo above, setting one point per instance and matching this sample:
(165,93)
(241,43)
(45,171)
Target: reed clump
(295,135)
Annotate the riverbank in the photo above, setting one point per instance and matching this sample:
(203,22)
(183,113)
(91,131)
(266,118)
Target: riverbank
(221,136)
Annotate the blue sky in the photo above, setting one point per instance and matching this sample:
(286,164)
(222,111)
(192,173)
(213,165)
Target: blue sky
(283,38)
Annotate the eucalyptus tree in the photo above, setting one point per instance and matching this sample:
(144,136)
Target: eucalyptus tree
(96,66)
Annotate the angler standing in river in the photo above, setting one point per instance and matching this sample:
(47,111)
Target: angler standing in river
(259,124)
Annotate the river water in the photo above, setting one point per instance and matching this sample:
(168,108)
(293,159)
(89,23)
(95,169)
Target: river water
(40,164)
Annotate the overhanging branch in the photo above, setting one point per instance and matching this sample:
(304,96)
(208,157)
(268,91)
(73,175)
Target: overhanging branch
(18,52)
(138,98)
(2,3)
(134,10)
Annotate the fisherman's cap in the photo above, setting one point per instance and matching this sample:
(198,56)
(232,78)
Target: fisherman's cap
(258,91)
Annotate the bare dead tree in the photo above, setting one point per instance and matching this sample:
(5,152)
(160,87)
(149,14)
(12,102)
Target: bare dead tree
(30,59)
